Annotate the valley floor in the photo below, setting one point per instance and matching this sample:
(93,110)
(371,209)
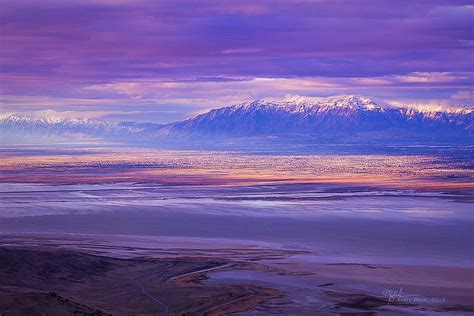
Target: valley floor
(199,233)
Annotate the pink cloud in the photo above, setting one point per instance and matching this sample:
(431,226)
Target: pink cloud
(463,95)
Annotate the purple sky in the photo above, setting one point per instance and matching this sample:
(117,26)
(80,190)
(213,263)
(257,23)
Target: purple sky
(164,60)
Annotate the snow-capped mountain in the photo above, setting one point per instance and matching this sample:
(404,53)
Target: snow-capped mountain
(32,126)
(333,115)
(344,116)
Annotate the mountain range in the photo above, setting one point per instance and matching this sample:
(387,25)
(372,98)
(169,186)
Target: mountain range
(337,116)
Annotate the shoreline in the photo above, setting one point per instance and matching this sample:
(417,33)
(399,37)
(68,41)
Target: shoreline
(336,287)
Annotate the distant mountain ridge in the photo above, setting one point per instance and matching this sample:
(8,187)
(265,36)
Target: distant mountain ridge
(32,126)
(338,114)
(345,115)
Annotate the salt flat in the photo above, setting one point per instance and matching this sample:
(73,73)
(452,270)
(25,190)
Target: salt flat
(344,229)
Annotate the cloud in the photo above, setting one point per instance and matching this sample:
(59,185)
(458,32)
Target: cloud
(426,105)
(463,95)
(53,114)
(430,77)
(102,54)
(213,86)
(241,51)
(206,94)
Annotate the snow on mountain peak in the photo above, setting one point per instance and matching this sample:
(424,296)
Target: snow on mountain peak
(293,114)
(296,103)
(334,101)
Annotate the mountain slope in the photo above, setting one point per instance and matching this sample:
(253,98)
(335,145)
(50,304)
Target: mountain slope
(333,115)
(338,116)
(43,127)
